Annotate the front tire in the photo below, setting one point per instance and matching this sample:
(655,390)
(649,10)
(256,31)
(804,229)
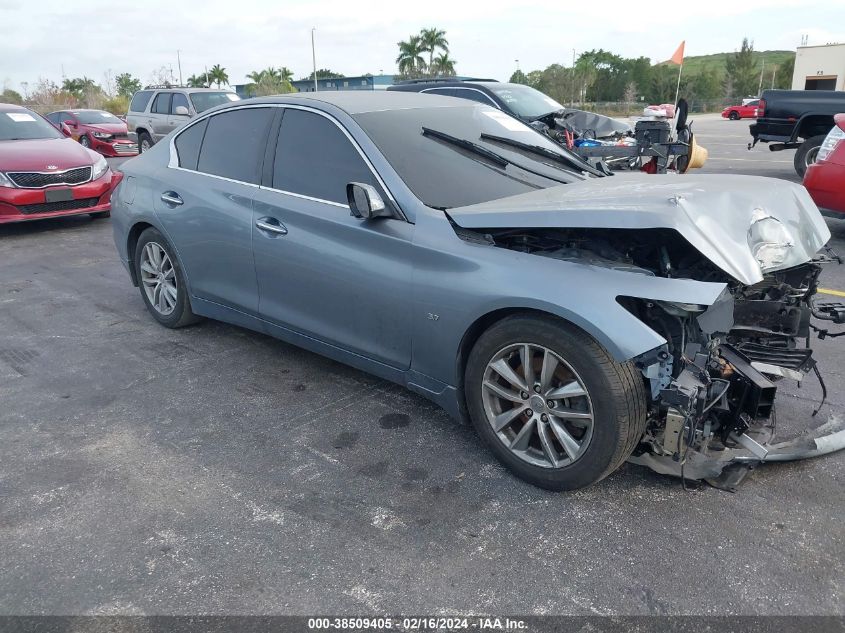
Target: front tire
(807,152)
(145,142)
(85,141)
(554,407)
(161,281)
(734,115)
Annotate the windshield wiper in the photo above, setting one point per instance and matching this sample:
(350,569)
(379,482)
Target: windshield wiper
(575,162)
(490,155)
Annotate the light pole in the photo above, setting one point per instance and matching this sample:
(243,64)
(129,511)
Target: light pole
(179,62)
(314,57)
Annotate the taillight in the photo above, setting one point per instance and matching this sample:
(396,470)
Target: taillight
(761,108)
(830,142)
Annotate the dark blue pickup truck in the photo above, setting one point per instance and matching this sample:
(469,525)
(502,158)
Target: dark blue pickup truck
(796,119)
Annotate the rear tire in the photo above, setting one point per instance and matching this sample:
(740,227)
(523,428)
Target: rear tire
(807,152)
(145,142)
(612,393)
(160,277)
(733,115)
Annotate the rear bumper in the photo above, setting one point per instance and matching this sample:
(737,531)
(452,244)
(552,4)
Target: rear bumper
(826,183)
(21,205)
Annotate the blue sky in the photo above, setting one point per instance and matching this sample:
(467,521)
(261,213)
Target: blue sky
(94,37)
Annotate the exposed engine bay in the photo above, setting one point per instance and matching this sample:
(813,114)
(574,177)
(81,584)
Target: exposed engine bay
(713,384)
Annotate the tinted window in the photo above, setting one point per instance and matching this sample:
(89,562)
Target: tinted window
(178,100)
(161,105)
(234,143)
(443,175)
(473,95)
(315,158)
(140,101)
(54,118)
(446,92)
(188,145)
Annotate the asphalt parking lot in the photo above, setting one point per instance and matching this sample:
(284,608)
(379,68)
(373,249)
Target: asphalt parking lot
(216,470)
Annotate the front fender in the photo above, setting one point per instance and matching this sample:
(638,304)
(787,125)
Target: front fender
(459,283)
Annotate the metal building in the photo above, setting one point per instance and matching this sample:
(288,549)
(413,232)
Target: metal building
(819,68)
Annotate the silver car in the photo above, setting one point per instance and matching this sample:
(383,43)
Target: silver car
(156,112)
(576,320)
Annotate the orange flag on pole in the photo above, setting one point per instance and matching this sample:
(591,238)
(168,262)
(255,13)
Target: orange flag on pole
(678,57)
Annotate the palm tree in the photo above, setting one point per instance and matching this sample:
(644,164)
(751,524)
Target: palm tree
(410,59)
(198,81)
(433,39)
(443,66)
(256,75)
(218,75)
(286,73)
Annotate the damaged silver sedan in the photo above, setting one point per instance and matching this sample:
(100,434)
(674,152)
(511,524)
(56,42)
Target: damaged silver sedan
(577,320)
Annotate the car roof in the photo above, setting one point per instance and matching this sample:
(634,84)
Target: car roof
(185,89)
(361,101)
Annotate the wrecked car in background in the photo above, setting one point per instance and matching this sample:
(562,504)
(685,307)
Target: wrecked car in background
(651,145)
(576,320)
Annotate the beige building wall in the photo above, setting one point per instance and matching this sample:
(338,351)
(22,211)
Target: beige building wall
(819,67)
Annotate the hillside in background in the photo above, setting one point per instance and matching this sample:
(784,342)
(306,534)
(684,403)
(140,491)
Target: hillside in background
(698,63)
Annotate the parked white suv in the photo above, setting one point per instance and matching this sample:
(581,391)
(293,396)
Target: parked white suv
(155,112)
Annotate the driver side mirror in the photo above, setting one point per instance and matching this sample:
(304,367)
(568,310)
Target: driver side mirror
(181,111)
(365,202)
(70,123)
(64,129)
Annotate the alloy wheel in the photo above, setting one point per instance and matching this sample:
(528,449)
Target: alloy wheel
(537,405)
(159,278)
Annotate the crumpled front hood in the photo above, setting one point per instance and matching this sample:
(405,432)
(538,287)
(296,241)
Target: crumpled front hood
(108,128)
(713,212)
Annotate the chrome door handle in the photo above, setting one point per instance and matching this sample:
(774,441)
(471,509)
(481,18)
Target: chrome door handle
(271,225)
(172,198)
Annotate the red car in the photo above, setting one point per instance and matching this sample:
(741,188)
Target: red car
(43,174)
(101,131)
(736,112)
(825,179)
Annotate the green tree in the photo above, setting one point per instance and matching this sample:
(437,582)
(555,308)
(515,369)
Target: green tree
(443,66)
(702,86)
(127,85)
(783,76)
(218,75)
(410,60)
(198,81)
(741,73)
(10,96)
(80,86)
(518,77)
(432,40)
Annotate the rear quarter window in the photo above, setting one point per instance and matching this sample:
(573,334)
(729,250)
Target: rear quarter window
(140,101)
(188,145)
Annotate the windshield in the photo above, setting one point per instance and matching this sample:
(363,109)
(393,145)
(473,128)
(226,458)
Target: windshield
(19,125)
(525,101)
(442,174)
(204,100)
(92,117)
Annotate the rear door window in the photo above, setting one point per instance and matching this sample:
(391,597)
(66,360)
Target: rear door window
(315,158)
(140,101)
(178,100)
(161,105)
(234,144)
